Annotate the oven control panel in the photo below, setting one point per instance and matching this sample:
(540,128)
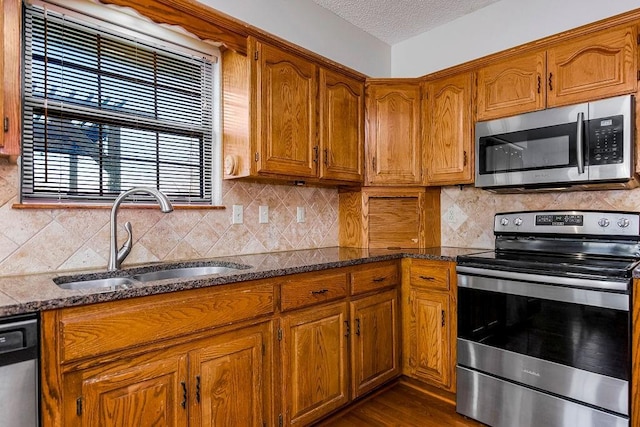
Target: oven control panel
(604,223)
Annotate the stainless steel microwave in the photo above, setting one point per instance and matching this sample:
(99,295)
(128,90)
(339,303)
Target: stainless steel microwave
(563,146)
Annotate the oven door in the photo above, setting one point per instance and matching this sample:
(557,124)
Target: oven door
(535,148)
(566,341)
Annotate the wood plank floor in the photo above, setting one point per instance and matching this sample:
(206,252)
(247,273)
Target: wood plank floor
(401,405)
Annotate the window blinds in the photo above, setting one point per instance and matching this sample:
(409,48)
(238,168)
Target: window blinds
(105,112)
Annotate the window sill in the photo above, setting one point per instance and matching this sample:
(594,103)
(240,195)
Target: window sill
(109,205)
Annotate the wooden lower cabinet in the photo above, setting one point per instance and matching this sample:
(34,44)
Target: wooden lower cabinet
(122,394)
(429,321)
(221,382)
(375,343)
(314,360)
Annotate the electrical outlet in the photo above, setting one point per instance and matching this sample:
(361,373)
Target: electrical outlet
(300,214)
(237,217)
(263,212)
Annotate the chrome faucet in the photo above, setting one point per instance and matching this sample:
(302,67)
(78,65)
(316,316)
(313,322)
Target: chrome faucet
(117,256)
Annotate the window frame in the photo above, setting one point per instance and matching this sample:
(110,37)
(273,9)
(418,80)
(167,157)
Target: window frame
(165,37)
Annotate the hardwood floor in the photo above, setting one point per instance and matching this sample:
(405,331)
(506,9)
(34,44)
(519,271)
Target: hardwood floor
(401,405)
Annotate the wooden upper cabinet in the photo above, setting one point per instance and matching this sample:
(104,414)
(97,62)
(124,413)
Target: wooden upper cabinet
(512,86)
(598,65)
(286,93)
(392,146)
(448,150)
(341,126)
(10,82)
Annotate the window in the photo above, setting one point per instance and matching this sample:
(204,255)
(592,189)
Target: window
(106,110)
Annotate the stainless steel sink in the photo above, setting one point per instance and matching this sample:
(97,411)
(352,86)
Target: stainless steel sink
(184,272)
(103,285)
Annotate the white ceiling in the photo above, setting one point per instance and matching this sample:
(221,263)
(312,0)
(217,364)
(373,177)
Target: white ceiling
(393,21)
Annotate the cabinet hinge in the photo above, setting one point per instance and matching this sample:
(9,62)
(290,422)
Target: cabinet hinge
(6,124)
(638,39)
(257,156)
(79,406)
(280,420)
(638,80)
(255,55)
(279,334)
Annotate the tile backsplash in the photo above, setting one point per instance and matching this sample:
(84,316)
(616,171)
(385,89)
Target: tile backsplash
(41,240)
(467,214)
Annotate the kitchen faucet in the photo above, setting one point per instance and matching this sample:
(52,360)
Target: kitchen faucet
(117,256)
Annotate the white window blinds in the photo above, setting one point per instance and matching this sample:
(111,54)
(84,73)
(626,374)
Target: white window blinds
(104,112)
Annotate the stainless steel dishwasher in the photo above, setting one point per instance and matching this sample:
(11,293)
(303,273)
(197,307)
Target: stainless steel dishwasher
(19,399)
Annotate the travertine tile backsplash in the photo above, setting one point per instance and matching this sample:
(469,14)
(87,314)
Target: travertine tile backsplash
(40,240)
(467,214)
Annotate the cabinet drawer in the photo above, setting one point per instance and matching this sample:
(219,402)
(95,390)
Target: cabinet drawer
(372,277)
(431,274)
(302,292)
(101,328)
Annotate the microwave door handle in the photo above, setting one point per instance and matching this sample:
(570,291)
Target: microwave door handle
(580,142)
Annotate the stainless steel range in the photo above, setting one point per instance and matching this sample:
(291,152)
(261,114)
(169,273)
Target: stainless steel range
(544,321)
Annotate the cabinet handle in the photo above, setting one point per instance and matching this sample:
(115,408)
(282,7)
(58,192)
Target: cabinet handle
(443,318)
(198,388)
(326,157)
(184,394)
(315,154)
(373,161)
(319,292)
(378,279)
(347,329)
(550,81)
(358,327)
(464,158)
(428,278)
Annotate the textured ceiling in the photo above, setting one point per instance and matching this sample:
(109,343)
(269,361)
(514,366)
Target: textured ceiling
(393,21)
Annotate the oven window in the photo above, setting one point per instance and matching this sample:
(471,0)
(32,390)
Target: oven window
(584,337)
(549,147)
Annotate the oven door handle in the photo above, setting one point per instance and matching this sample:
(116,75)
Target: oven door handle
(538,286)
(608,285)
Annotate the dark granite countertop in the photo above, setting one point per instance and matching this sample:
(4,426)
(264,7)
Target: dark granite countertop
(38,292)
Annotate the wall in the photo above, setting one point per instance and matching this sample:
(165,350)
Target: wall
(467,215)
(315,28)
(497,27)
(37,240)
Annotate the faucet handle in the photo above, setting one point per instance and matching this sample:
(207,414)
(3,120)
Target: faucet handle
(126,247)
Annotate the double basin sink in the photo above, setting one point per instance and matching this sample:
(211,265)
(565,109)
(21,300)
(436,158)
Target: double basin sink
(129,278)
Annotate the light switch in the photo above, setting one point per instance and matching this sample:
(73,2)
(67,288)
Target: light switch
(300,216)
(263,213)
(237,217)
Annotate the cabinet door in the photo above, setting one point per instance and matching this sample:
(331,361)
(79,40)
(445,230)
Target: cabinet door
(374,341)
(449,148)
(286,100)
(392,144)
(153,393)
(429,343)
(227,380)
(512,86)
(314,357)
(341,127)
(593,66)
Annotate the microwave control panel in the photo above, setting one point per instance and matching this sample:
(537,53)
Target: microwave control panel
(605,141)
